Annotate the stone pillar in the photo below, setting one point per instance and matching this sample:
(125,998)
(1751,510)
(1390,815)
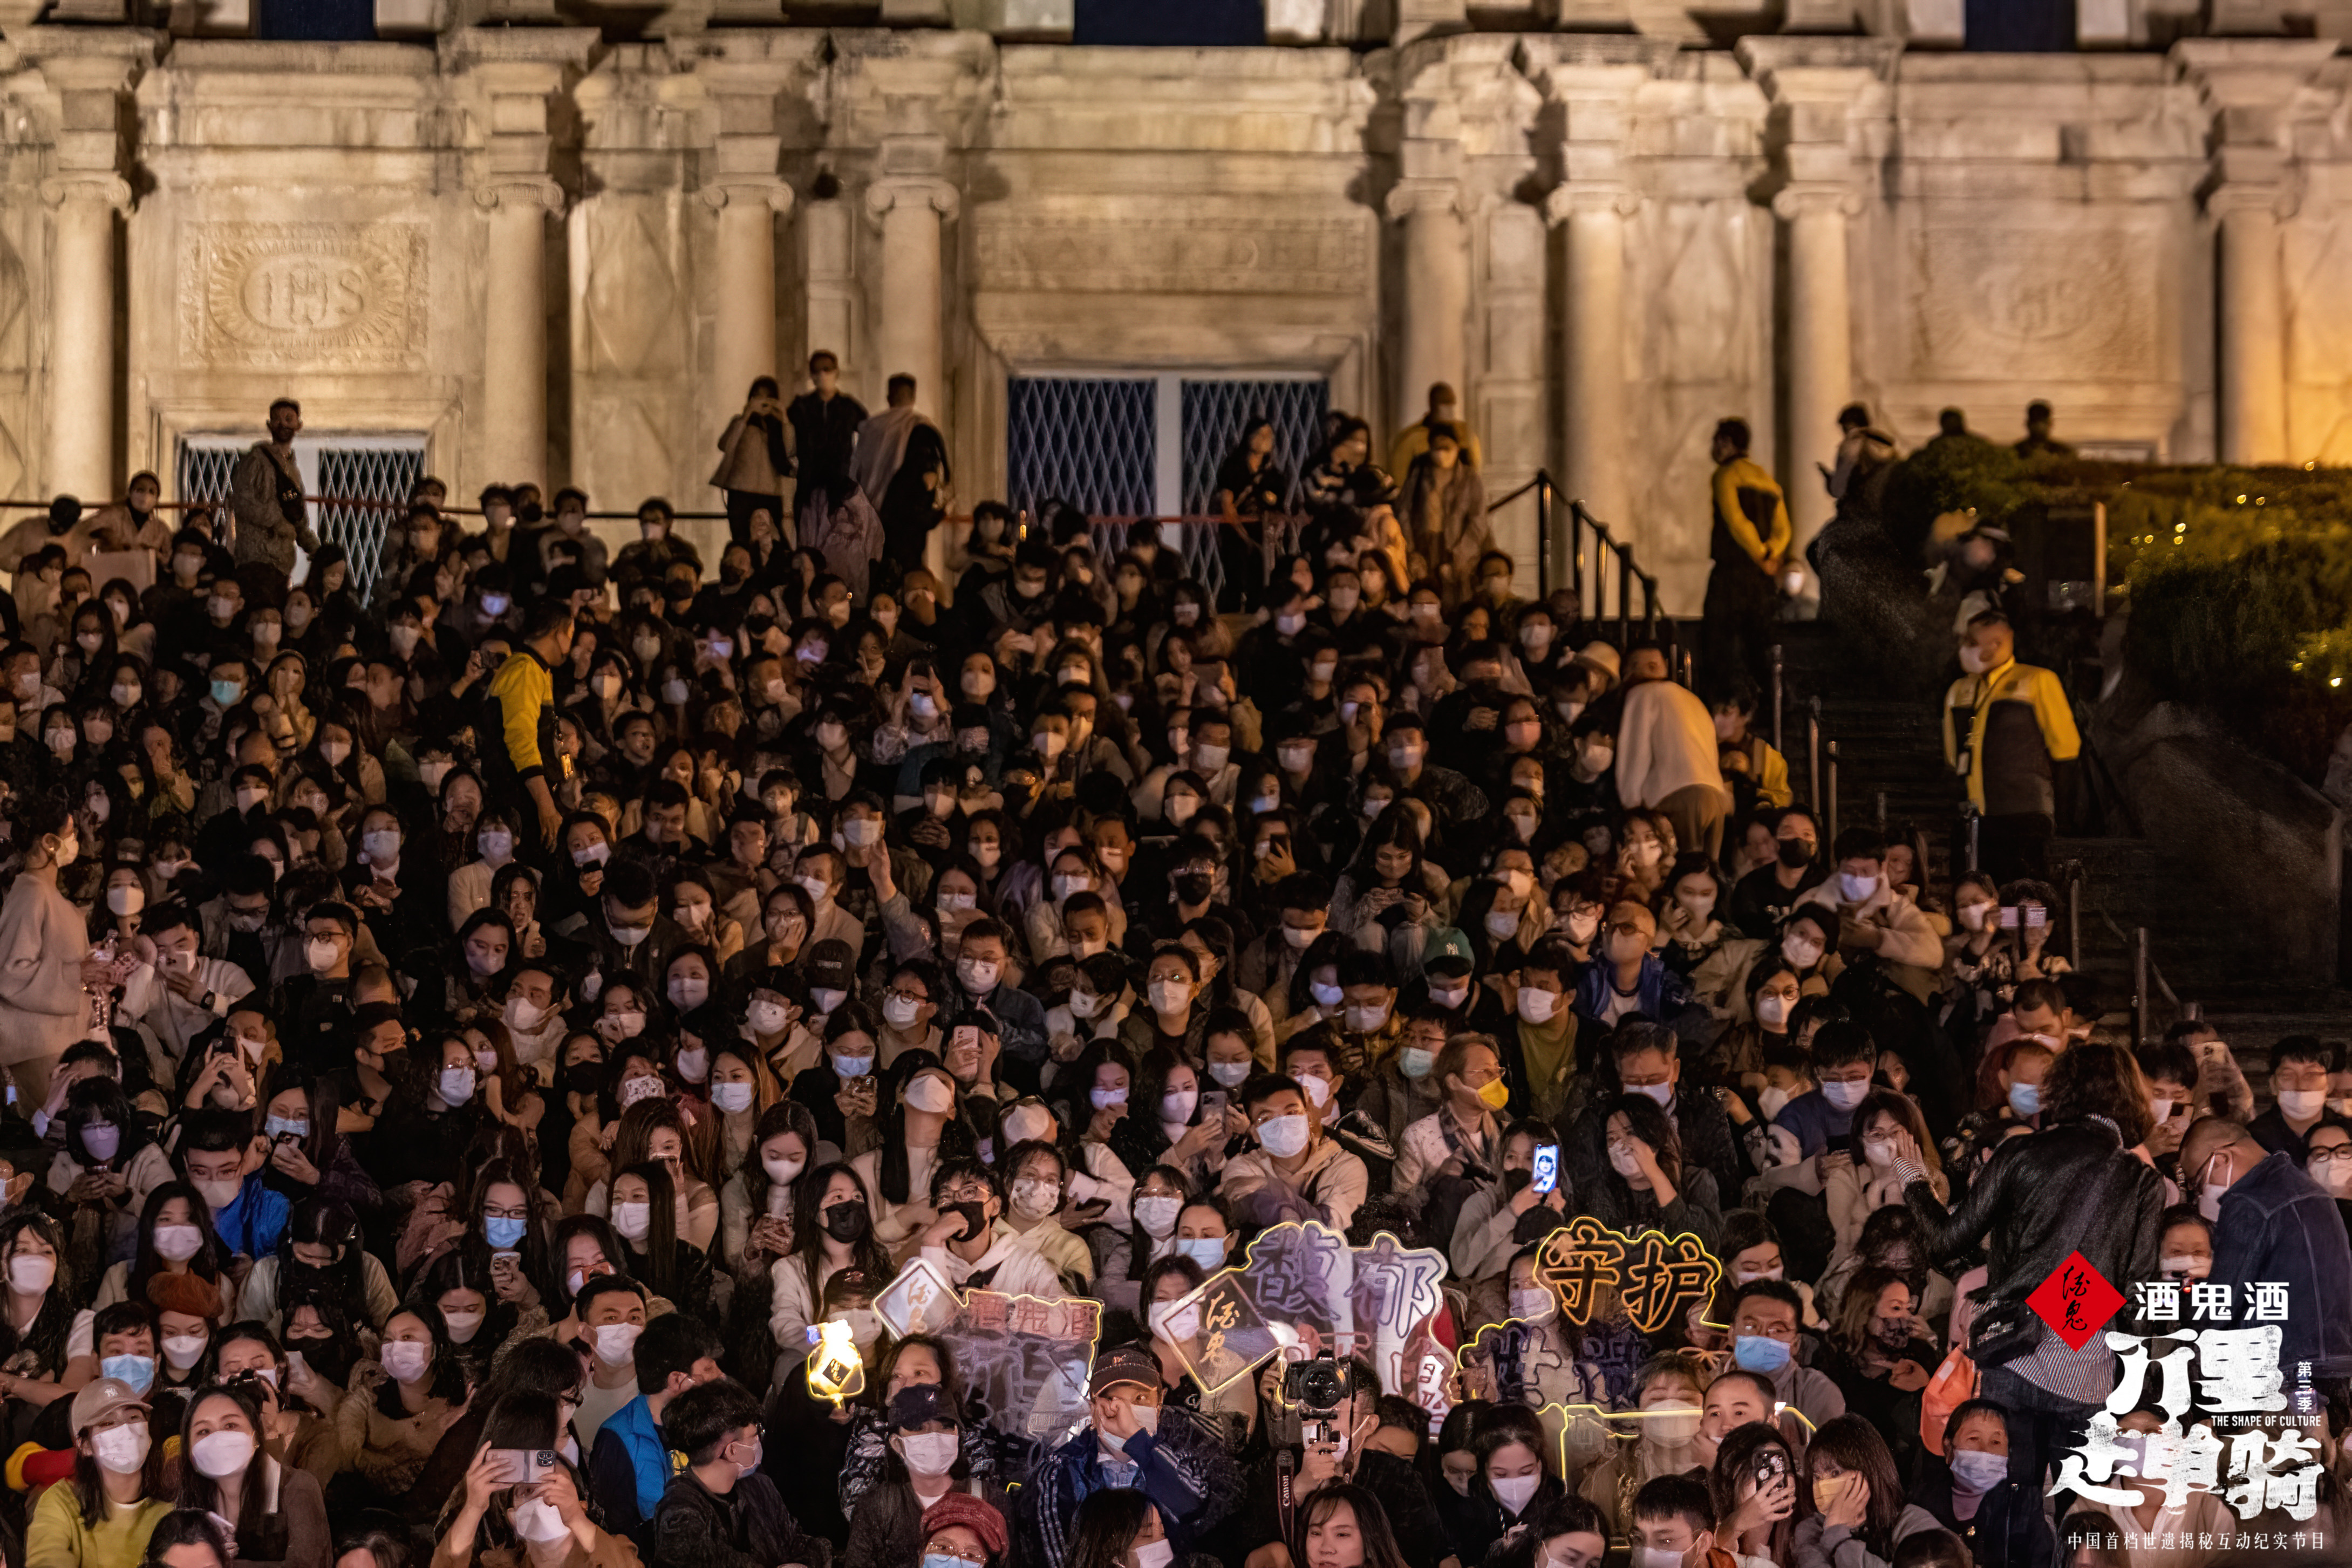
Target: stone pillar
(514,331)
(744,188)
(518,72)
(81,457)
(910,336)
(91,73)
(1592,423)
(1435,296)
(2252,360)
(1826,95)
(1817,347)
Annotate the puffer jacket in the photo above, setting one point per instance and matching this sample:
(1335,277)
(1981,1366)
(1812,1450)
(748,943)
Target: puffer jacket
(2034,1202)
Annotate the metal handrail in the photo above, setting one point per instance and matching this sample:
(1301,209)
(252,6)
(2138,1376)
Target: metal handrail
(1591,589)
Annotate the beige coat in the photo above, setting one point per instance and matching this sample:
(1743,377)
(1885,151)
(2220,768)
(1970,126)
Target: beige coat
(42,945)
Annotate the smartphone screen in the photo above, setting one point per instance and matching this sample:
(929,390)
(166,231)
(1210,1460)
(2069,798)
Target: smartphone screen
(1212,1103)
(1546,1167)
(2008,919)
(2037,917)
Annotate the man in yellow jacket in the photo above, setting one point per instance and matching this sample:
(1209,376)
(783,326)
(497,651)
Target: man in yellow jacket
(2008,729)
(522,713)
(1749,542)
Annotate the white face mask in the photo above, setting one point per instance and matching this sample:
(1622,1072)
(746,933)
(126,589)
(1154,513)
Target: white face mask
(1537,1007)
(539,1522)
(223,1454)
(928,1453)
(632,1220)
(1515,1492)
(403,1361)
(1284,1137)
(616,1343)
(1772,1010)
(1174,1321)
(767,1017)
(30,1276)
(1801,950)
(121,1450)
(733,1098)
(1157,1216)
(1231,1075)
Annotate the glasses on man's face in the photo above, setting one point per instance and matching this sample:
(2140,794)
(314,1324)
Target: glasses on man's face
(900,993)
(966,1192)
(1785,1332)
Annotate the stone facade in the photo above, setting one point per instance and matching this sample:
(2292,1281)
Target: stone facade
(563,257)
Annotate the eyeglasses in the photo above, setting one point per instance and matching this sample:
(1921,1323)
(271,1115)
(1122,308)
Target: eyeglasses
(900,993)
(2341,1153)
(966,1192)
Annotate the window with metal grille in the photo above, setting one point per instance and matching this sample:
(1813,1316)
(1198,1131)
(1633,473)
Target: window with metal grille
(367,479)
(1147,446)
(1217,411)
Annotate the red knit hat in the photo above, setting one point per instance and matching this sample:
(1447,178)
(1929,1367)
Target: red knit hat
(962,1508)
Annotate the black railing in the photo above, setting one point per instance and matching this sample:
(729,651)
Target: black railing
(1610,569)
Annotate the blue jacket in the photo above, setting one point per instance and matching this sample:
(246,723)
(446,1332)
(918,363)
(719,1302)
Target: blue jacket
(1185,1470)
(628,1467)
(2278,1225)
(1659,994)
(255,1222)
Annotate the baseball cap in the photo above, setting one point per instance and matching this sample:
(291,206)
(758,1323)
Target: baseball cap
(828,967)
(1448,946)
(1124,1364)
(101,1398)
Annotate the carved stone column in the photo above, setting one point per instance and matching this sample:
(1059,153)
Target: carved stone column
(1818,347)
(2249,85)
(1591,204)
(1820,87)
(514,330)
(518,72)
(748,195)
(910,209)
(1436,294)
(90,74)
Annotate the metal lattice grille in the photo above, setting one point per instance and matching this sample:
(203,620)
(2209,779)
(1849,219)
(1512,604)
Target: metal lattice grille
(205,471)
(364,474)
(1090,442)
(1215,411)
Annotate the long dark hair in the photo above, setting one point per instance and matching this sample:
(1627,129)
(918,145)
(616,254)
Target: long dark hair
(663,1268)
(53,1325)
(868,1256)
(1105,1527)
(100,1099)
(448,1377)
(200,1490)
(536,1265)
(892,1166)
(1736,1459)
(324,1095)
(2097,1079)
(784,1116)
(320,1221)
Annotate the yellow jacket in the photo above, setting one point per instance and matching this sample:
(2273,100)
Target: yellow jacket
(2012,682)
(58,1537)
(1746,474)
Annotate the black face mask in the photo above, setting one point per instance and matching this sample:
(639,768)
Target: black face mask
(584,1078)
(1194,887)
(1795,853)
(529,511)
(1517,1182)
(975,1218)
(328,1357)
(847,1223)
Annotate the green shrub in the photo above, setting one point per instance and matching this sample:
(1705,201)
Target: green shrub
(2238,581)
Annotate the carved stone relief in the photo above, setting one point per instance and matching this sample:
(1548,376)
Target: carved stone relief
(2077,302)
(1118,253)
(304,296)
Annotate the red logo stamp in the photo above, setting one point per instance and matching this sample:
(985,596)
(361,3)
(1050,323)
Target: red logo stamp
(2076,1301)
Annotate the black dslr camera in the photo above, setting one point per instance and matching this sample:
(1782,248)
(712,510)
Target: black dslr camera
(1315,1389)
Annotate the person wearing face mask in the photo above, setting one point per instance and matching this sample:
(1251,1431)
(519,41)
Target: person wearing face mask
(1762,900)
(973,1245)
(218,1157)
(924,1467)
(1967,1489)
(1459,1145)
(1873,919)
(1166,1467)
(1859,1513)
(278,1514)
(1880,1358)
(722,1510)
(2028,1200)
(45,953)
(1301,1172)
(2301,1066)
(1544,1027)
(628,1467)
(111,1530)
(2272,1222)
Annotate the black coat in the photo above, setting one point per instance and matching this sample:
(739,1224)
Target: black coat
(2028,1203)
(749,1527)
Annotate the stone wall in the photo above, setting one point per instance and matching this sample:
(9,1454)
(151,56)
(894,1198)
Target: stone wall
(563,257)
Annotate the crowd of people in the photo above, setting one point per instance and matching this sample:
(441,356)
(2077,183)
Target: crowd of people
(481,1029)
